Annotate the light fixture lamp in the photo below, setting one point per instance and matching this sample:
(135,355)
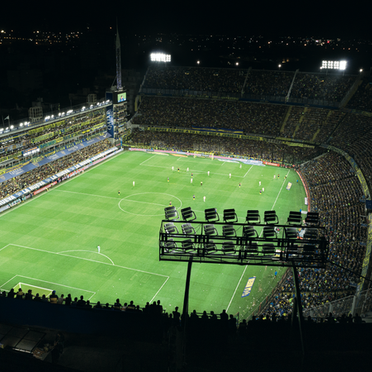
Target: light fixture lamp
(229,215)
(312,218)
(271,217)
(187,246)
(228,230)
(253,217)
(268,249)
(228,247)
(211,215)
(311,234)
(170,228)
(250,250)
(169,245)
(290,233)
(188,229)
(188,214)
(210,247)
(269,232)
(210,230)
(249,232)
(171,213)
(294,218)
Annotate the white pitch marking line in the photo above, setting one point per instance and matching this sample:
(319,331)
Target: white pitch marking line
(84,193)
(54,188)
(260,235)
(279,191)
(62,285)
(9,280)
(147,159)
(158,290)
(85,250)
(236,288)
(88,259)
(4,247)
(248,170)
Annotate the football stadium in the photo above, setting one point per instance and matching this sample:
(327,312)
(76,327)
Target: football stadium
(93,212)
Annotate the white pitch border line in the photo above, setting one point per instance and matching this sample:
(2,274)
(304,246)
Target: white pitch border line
(159,290)
(147,160)
(2,286)
(236,288)
(62,285)
(85,250)
(88,259)
(248,170)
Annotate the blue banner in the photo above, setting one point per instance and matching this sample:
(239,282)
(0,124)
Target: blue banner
(50,158)
(248,287)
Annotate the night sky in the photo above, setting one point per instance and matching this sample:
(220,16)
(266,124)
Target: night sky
(320,18)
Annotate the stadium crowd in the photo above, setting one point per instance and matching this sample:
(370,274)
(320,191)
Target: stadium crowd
(195,79)
(303,123)
(219,145)
(335,193)
(24,180)
(261,84)
(335,190)
(45,137)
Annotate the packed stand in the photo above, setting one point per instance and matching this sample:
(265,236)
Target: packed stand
(186,113)
(268,83)
(335,193)
(195,79)
(322,87)
(362,98)
(44,137)
(24,180)
(354,136)
(258,150)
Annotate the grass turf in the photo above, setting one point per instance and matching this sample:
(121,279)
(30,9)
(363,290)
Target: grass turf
(51,241)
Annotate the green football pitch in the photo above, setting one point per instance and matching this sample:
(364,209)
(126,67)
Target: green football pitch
(50,242)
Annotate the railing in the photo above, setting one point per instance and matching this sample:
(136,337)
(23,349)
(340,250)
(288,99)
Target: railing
(357,304)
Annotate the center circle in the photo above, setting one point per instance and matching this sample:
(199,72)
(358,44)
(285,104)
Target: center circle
(141,203)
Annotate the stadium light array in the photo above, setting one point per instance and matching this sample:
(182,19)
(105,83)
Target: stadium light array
(160,57)
(231,242)
(333,65)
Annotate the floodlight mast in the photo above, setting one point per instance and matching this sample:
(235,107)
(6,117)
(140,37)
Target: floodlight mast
(239,243)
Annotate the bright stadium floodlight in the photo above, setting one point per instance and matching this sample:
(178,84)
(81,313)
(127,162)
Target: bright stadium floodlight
(333,65)
(160,57)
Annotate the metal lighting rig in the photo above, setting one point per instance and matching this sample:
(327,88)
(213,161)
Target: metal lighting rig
(254,242)
(295,244)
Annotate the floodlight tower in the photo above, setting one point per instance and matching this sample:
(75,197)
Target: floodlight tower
(233,243)
(117,112)
(118,60)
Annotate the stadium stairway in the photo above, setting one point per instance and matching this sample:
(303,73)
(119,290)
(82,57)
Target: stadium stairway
(285,119)
(351,91)
(299,122)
